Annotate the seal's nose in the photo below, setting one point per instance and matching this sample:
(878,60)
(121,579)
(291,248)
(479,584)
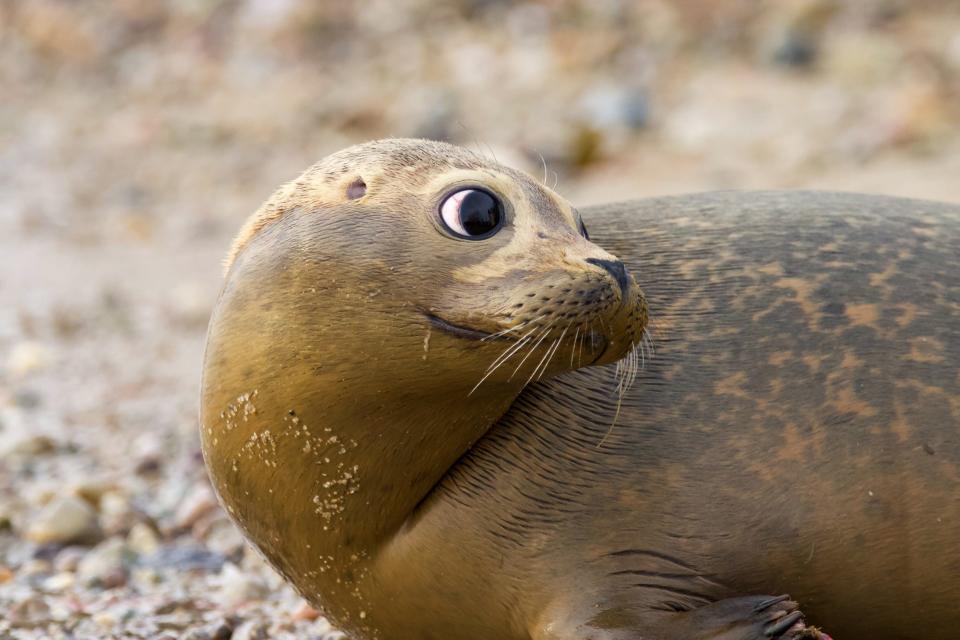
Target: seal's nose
(615,268)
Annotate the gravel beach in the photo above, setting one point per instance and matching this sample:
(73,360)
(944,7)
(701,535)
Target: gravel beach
(136,136)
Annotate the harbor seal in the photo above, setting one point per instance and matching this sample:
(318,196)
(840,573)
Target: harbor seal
(443,409)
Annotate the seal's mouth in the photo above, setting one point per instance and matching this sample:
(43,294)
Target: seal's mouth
(458,330)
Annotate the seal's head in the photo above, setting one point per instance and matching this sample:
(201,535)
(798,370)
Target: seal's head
(379,314)
(423,251)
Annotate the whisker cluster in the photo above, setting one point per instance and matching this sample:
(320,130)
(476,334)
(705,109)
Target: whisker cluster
(626,372)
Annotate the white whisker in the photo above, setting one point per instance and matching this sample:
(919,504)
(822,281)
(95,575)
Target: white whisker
(537,368)
(556,345)
(573,346)
(547,331)
(510,350)
(502,359)
(583,339)
(508,329)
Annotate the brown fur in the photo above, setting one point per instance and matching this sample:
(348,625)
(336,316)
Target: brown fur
(794,431)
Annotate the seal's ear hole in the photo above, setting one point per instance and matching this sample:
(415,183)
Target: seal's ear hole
(356,189)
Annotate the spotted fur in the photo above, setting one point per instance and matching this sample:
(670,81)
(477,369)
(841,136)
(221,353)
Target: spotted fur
(794,428)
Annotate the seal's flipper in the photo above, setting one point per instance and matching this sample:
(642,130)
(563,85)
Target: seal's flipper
(747,618)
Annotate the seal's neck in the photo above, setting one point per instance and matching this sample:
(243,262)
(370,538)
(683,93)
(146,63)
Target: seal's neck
(326,453)
(383,454)
(328,418)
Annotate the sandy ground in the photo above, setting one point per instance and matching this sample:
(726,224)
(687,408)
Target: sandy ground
(136,136)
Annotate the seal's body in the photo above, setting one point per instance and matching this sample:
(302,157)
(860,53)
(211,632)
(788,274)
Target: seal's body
(794,428)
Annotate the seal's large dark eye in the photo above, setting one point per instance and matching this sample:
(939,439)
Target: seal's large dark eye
(472,213)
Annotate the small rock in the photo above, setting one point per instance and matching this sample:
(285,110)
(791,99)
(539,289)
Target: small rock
(305,612)
(106,619)
(92,490)
(221,630)
(117,516)
(68,559)
(199,502)
(795,49)
(197,633)
(224,538)
(65,520)
(33,610)
(185,557)
(791,34)
(26,445)
(27,357)
(143,539)
(6,516)
(238,587)
(107,565)
(148,465)
(251,630)
(35,568)
(146,577)
(59,582)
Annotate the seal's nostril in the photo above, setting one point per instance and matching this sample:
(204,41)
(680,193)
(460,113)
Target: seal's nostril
(616,269)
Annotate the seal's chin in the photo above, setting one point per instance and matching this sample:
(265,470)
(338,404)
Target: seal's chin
(458,330)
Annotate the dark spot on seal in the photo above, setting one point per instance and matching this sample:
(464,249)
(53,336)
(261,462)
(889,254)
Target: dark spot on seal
(357,189)
(835,308)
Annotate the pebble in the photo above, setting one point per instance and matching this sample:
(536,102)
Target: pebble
(27,357)
(224,538)
(92,490)
(220,630)
(25,445)
(198,503)
(305,612)
(609,99)
(251,630)
(185,557)
(7,512)
(117,516)
(59,582)
(106,565)
(65,520)
(791,36)
(36,568)
(238,587)
(142,539)
(29,611)
(68,559)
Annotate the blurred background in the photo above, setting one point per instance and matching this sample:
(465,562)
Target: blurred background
(136,136)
